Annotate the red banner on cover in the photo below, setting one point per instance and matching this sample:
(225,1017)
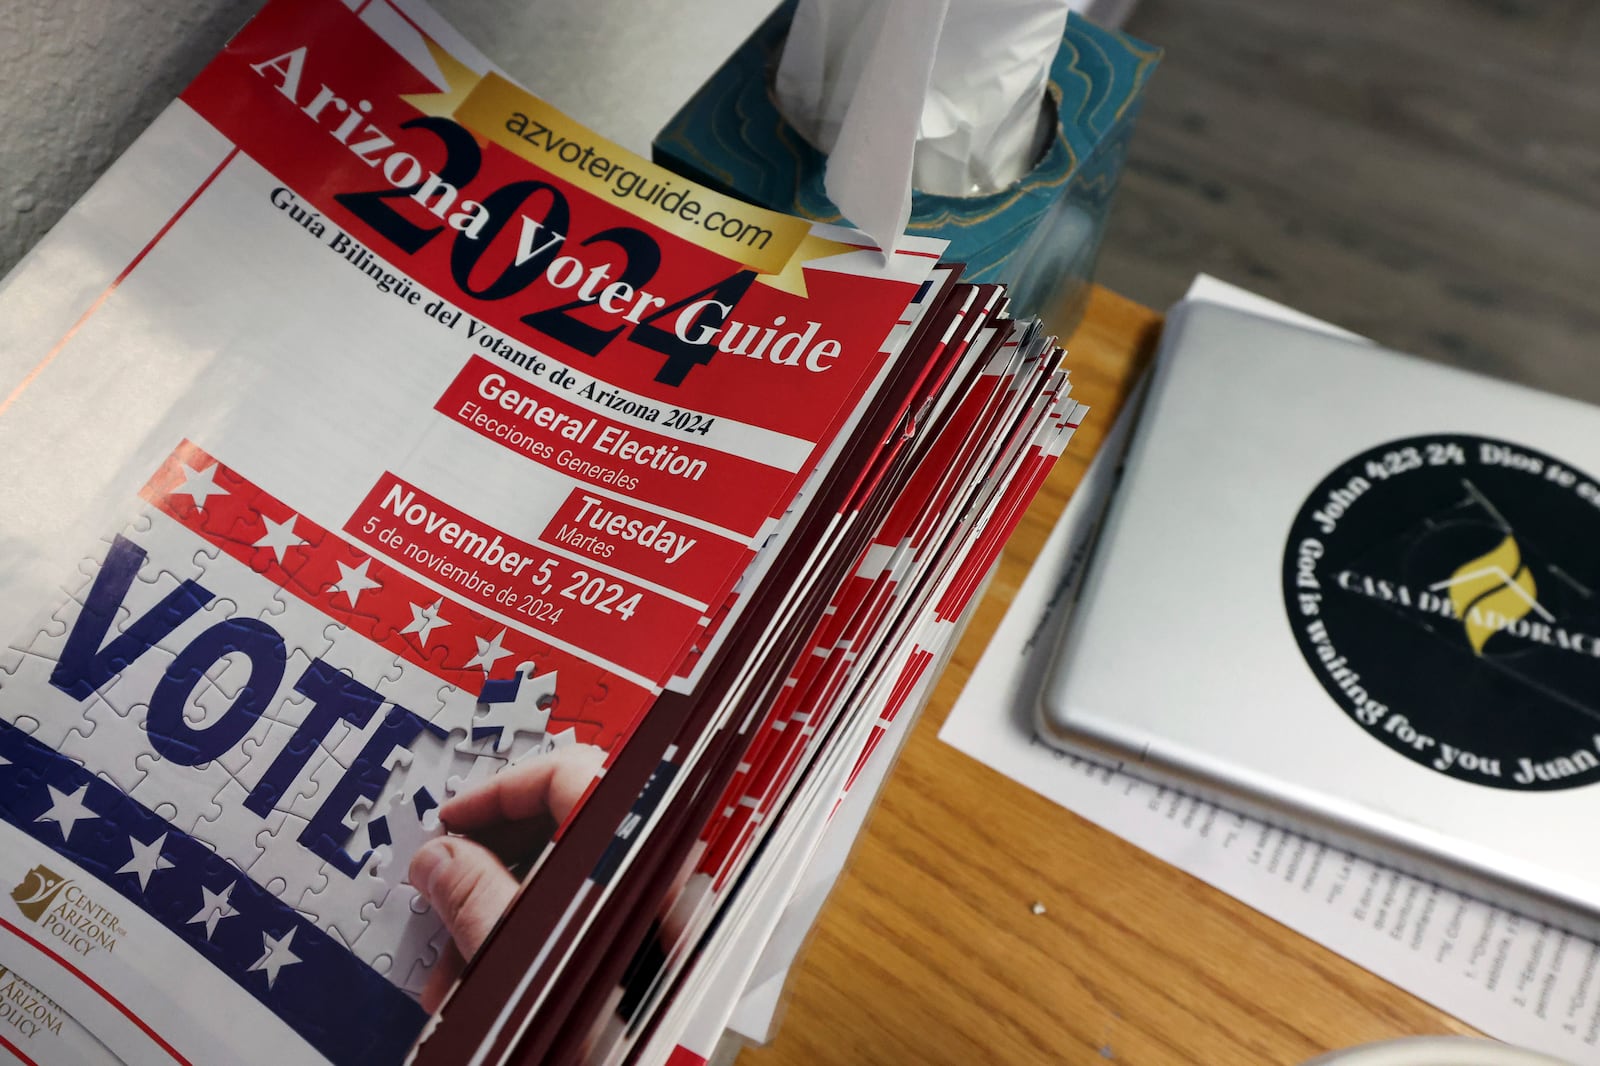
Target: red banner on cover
(636,541)
(594,610)
(367,596)
(555,432)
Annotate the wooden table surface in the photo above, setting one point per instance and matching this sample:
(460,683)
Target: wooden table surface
(929,952)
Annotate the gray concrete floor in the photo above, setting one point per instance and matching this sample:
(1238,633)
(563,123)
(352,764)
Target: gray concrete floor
(1426,173)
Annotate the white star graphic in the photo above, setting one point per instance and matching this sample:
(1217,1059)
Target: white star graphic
(275,955)
(4,761)
(214,907)
(280,536)
(66,809)
(353,580)
(425,621)
(199,484)
(489,653)
(147,859)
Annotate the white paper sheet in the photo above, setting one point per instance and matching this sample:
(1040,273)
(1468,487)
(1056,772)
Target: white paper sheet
(1511,977)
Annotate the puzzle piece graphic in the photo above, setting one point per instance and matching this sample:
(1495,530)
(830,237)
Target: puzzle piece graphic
(474,734)
(248,762)
(93,835)
(428,765)
(381,917)
(552,742)
(404,929)
(230,674)
(344,744)
(28,694)
(319,762)
(395,826)
(417,980)
(275,541)
(516,705)
(282,859)
(312,785)
(104,729)
(335,901)
(192,790)
(32,672)
(234,831)
(371,664)
(482,770)
(397,833)
(190,566)
(419,691)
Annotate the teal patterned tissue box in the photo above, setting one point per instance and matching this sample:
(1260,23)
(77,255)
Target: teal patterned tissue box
(1039,236)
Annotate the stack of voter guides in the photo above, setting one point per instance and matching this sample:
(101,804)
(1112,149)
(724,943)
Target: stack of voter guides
(397,503)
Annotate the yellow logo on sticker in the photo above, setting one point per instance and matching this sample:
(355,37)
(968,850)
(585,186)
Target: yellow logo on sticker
(1492,591)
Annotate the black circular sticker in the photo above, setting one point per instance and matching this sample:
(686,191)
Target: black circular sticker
(1445,590)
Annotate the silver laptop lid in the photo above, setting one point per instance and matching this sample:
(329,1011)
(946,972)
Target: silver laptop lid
(1356,588)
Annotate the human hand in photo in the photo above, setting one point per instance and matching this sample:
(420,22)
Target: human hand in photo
(465,877)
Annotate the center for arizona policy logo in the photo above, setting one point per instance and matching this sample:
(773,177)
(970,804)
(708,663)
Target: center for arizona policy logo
(1445,591)
(66,913)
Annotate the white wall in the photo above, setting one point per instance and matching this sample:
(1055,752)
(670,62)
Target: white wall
(79,79)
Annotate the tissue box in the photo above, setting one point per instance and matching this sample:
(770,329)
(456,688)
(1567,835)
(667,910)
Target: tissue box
(1040,236)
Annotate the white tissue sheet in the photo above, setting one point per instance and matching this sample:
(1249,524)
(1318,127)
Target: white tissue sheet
(984,123)
(946,97)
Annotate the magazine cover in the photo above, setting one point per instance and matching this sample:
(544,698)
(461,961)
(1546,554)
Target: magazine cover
(375,437)
(36,1031)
